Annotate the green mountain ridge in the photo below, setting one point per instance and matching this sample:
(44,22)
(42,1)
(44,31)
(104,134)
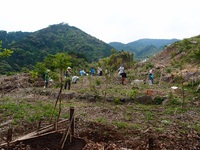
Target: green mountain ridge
(143,48)
(34,47)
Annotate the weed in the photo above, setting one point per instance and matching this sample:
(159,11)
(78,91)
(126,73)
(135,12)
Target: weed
(133,93)
(169,70)
(174,101)
(97,82)
(120,125)
(158,100)
(196,127)
(136,126)
(117,101)
(101,120)
(149,115)
(160,129)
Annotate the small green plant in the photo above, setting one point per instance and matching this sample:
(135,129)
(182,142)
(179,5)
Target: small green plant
(34,74)
(158,100)
(120,125)
(136,126)
(196,127)
(97,82)
(133,93)
(160,129)
(101,119)
(175,101)
(170,96)
(149,65)
(149,115)
(169,70)
(181,49)
(117,101)
(172,54)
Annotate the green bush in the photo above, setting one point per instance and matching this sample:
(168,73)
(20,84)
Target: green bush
(175,101)
(158,100)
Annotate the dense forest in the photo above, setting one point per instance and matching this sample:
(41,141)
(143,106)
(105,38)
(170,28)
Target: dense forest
(30,48)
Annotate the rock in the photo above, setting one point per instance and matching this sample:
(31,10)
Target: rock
(144,99)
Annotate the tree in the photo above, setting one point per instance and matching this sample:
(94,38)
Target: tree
(4,52)
(59,61)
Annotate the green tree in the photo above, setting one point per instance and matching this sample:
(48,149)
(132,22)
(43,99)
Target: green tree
(4,52)
(118,58)
(59,61)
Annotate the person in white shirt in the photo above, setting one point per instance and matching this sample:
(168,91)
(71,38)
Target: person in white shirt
(151,76)
(75,79)
(121,70)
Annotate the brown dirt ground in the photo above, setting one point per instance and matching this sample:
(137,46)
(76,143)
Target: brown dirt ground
(98,136)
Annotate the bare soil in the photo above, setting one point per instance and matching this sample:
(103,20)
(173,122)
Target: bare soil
(92,133)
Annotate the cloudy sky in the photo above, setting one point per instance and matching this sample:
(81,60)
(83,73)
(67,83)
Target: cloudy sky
(108,20)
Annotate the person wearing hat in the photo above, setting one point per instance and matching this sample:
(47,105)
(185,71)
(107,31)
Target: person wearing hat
(67,79)
(46,78)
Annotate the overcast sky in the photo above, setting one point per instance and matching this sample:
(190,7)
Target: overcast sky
(108,20)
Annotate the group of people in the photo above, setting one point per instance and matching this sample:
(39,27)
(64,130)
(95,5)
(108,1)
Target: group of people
(122,73)
(92,72)
(67,80)
(67,84)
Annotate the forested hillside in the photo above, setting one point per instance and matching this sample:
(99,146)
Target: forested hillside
(144,47)
(30,48)
(12,37)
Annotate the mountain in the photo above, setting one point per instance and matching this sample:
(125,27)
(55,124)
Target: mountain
(30,48)
(144,47)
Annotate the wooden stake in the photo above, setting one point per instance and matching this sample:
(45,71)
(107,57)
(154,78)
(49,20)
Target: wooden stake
(9,137)
(70,130)
(150,143)
(72,120)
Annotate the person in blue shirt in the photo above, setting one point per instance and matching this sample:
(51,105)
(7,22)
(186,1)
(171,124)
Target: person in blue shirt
(92,71)
(82,72)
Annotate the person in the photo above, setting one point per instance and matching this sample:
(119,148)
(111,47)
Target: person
(46,78)
(67,79)
(82,72)
(123,75)
(121,69)
(75,79)
(100,71)
(151,75)
(92,71)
